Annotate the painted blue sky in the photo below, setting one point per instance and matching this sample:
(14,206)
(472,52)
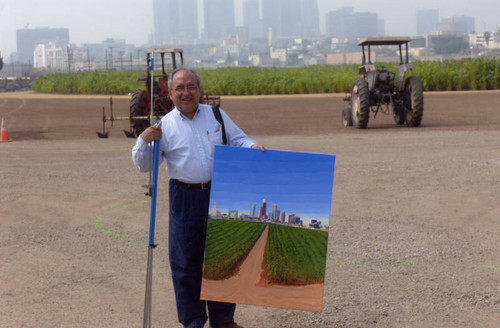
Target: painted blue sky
(298,183)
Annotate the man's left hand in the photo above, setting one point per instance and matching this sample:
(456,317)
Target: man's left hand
(258,146)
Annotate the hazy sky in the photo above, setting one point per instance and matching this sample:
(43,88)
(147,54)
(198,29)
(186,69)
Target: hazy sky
(92,21)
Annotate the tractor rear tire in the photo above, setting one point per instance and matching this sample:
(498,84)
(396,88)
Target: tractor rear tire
(139,106)
(360,103)
(414,101)
(347,116)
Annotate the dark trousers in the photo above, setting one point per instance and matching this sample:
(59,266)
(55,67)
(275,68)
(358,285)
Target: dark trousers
(186,241)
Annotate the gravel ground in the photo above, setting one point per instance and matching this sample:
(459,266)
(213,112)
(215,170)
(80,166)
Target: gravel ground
(415,238)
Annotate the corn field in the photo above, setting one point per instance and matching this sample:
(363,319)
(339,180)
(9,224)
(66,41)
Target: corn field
(464,74)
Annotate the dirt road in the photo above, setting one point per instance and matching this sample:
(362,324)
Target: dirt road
(415,239)
(248,287)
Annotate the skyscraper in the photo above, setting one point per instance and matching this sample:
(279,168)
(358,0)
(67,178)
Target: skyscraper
(271,15)
(175,20)
(251,19)
(290,22)
(345,23)
(263,209)
(337,22)
(310,18)
(219,18)
(427,21)
(274,212)
(253,211)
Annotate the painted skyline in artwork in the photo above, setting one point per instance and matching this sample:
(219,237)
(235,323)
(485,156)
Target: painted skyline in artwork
(291,183)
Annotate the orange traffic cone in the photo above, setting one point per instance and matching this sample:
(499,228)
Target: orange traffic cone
(4,136)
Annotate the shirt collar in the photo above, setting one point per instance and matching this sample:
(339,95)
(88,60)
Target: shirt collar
(182,116)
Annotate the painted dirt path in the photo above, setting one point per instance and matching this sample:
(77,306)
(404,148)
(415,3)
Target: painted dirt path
(247,286)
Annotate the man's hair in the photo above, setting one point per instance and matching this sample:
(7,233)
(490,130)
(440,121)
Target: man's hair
(183,68)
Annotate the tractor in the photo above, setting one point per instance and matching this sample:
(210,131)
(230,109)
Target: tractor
(140,103)
(378,89)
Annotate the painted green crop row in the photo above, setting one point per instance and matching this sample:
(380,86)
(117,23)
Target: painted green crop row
(228,242)
(295,256)
(464,74)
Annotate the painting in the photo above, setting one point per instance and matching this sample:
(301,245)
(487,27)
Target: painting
(267,232)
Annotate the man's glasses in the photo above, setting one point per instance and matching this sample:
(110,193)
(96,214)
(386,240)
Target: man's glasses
(190,88)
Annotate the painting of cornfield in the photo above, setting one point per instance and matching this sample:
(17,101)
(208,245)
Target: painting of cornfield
(268,225)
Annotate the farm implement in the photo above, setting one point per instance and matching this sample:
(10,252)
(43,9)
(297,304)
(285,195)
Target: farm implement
(140,102)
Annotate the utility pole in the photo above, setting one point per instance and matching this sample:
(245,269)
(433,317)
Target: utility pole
(110,57)
(12,62)
(68,50)
(121,54)
(88,59)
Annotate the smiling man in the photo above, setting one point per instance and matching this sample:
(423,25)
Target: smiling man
(188,136)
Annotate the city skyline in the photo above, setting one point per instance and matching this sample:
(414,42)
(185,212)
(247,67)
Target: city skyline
(92,21)
(299,183)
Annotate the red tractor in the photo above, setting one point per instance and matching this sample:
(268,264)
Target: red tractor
(140,104)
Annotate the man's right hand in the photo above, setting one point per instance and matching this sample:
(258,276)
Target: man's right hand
(151,134)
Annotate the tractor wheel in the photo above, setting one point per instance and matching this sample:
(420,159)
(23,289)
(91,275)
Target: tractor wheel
(139,106)
(414,101)
(347,116)
(360,103)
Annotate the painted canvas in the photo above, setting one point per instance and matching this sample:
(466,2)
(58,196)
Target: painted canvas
(267,231)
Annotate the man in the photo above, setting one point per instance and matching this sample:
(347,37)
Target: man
(188,135)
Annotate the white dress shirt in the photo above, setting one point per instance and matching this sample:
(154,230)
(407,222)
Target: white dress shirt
(188,145)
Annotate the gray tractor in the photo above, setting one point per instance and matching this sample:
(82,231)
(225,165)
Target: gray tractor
(381,90)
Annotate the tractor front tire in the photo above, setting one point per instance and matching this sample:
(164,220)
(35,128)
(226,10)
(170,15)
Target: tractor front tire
(139,106)
(360,103)
(414,102)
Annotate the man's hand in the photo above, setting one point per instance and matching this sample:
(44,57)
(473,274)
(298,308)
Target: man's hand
(258,146)
(151,134)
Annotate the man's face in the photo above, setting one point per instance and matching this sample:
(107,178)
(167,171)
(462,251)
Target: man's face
(185,92)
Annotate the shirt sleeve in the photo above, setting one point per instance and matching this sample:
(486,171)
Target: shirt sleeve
(235,135)
(141,155)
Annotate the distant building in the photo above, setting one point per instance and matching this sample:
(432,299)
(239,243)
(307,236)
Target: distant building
(271,18)
(283,215)
(274,212)
(50,56)
(215,211)
(293,219)
(28,39)
(345,23)
(253,211)
(233,214)
(263,209)
(427,21)
(174,21)
(251,19)
(219,19)
(457,24)
(310,19)
(346,58)
(290,18)
(335,22)
(381,27)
